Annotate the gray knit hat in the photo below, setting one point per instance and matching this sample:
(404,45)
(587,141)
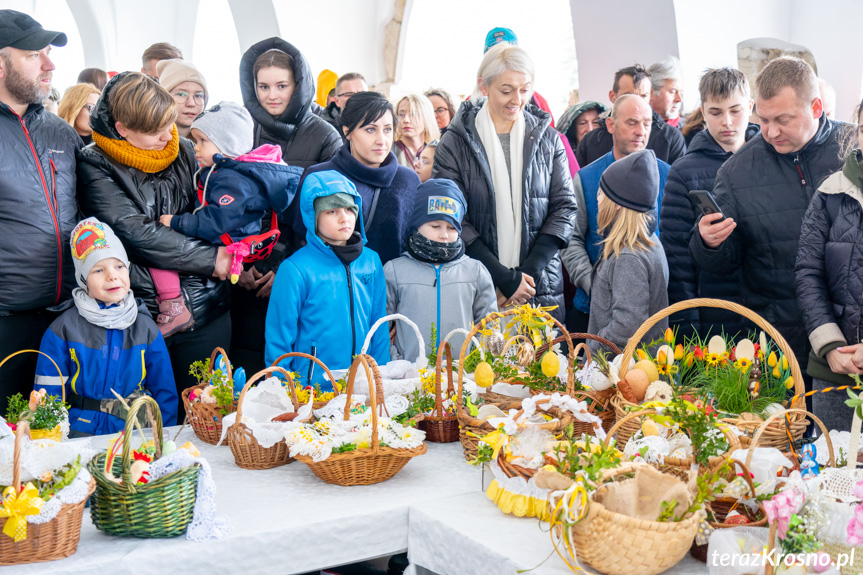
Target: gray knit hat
(93,241)
(333,201)
(633,181)
(229,126)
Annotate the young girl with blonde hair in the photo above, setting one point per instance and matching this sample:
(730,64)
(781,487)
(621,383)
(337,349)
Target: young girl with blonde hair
(630,282)
(415,128)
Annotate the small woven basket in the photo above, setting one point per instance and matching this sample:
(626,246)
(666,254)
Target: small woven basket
(617,544)
(248,453)
(206,418)
(160,508)
(368,465)
(315,404)
(56,433)
(775,436)
(439,427)
(49,541)
(472,429)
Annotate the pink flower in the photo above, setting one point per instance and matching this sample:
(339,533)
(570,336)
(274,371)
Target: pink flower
(854,530)
(782,507)
(858,490)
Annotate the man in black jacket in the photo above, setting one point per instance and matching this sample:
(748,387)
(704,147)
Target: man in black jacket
(726,105)
(665,141)
(764,190)
(38,209)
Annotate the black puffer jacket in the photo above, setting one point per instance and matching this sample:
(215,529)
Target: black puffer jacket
(830,267)
(38,209)
(131,202)
(767,193)
(548,204)
(666,142)
(696,170)
(305,138)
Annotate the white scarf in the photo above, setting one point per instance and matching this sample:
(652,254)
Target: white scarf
(119,316)
(507,190)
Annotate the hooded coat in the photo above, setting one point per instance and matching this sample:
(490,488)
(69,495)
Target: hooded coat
(767,194)
(305,138)
(567,124)
(318,301)
(131,202)
(696,170)
(548,204)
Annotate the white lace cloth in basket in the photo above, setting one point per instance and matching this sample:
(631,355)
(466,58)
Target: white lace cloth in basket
(335,408)
(841,442)
(40,456)
(75,492)
(262,403)
(205,524)
(398,376)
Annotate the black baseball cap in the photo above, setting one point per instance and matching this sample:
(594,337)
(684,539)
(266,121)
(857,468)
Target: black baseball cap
(18,30)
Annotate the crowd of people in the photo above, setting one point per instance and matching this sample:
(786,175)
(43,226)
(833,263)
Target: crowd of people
(123,209)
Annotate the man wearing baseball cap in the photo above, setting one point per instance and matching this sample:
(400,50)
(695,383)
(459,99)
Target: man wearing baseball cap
(38,209)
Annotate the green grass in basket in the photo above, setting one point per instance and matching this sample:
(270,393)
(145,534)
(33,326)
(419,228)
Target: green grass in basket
(730,388)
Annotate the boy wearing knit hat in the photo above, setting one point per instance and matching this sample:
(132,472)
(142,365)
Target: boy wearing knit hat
(630,281)
(104,341)
(434,282)
(237,187)
(330,292)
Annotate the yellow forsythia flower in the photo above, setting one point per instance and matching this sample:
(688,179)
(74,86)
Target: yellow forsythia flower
(771,359)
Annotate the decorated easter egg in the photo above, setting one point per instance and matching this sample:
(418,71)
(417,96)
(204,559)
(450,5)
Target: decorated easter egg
(649,368)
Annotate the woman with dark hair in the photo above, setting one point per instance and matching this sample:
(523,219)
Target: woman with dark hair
(138,170)
(386,187)
(93,76)
(443,106)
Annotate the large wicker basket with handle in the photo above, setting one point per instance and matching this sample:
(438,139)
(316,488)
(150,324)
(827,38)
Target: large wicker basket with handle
(369,465)
(773,436)
(56,433)
(206,418)
(49,541)
(248,453)
(161,508)
(440,427)
(319,403)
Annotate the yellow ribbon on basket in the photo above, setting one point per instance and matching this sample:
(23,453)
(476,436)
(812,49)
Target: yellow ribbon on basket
(17,508)
(570,508)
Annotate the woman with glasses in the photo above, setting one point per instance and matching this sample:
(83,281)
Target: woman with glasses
(416,128)
(520,204)
(188,87)
(75,108)
(443,106)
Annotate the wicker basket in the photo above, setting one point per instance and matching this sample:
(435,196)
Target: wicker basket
(161,508)
(775,436)
(45,541)
(439,427)
(206,418)
(369,465)
(336,390)
(674,462)
(616,544)
(248,453)
(55,433)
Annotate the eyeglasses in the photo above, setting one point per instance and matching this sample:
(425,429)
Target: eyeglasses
(440,111)
(182,96)
(345,95)
(421,163)
(89,107)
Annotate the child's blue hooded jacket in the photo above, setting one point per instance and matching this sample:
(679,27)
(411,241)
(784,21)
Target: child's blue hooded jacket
(318,301)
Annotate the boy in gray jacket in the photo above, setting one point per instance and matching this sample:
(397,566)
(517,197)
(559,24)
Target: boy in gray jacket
(433,281)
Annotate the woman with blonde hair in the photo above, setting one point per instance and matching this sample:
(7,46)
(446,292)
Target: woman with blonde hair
(630,281)
(75,107)
(511,166)
(138,170)
(416,127)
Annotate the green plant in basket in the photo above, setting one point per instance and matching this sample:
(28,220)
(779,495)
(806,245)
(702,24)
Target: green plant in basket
(702,426)
(42,412)
(220,388)
(574,456)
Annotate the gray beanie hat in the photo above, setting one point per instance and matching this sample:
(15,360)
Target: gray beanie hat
(333,201)
(633,181)
(229,126)
(93,241)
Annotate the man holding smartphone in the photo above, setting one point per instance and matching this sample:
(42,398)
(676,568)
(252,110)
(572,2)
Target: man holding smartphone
(726,105)
(764,190)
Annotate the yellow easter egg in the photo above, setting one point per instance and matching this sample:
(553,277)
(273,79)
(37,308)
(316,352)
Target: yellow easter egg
(649,368)
(483,375)
(550,364)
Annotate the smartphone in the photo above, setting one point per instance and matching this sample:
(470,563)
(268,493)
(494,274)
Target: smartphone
(705,202)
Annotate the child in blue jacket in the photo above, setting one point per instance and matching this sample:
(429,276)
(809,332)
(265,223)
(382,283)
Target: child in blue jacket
(105,341)
(237,186)
(328,294)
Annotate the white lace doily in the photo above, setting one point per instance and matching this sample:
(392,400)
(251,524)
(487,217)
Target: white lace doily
(40,456)
(75,492)
(320,438)
(335,408)
(205,524)
(841,441)
(261,404)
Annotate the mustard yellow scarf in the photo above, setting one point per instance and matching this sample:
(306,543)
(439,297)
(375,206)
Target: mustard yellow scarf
(149,161)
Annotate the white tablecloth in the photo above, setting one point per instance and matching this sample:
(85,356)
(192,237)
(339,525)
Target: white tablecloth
(469,534)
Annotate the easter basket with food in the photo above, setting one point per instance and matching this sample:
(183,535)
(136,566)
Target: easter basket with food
(156,490)
(304,394)
(745,383)
(361,448)
(213,398)
(47,416)
(256,432)
(520,446)
(40,520)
